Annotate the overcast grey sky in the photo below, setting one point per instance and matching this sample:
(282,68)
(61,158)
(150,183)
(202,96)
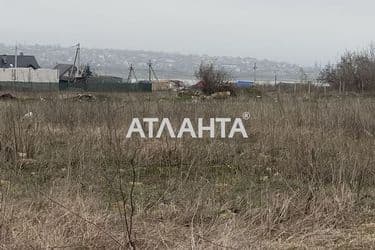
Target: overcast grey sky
(295,31)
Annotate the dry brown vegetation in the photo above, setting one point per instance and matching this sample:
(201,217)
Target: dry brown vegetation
(71,180)
(354,72)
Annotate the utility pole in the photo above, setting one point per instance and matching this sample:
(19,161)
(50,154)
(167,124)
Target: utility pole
(79,57)
(16,56)
(276,81)
(151,72)
(275,78)
(15,78)
(309,83)
(76,64)
(131,73)
(255,72)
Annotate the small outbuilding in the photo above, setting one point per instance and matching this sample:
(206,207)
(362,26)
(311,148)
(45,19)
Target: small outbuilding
(65,70)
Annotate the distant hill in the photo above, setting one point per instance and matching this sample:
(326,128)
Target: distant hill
(167,65)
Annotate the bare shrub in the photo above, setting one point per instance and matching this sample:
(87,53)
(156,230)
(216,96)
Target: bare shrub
(354,72)
(214,80)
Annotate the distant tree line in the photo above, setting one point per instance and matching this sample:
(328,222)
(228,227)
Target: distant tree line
(354,72)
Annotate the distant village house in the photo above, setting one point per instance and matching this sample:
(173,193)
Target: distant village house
(23,61)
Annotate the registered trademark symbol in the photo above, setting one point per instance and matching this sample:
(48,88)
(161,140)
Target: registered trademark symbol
(246,116)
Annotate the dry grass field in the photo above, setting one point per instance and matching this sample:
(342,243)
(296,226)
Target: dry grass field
(69,179)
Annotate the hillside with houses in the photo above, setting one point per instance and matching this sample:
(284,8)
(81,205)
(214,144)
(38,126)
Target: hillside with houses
(167,65)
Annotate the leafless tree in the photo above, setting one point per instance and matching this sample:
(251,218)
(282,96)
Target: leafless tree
(214,80)
(354,72)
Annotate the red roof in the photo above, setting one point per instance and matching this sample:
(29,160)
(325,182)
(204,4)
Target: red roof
(198,85)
